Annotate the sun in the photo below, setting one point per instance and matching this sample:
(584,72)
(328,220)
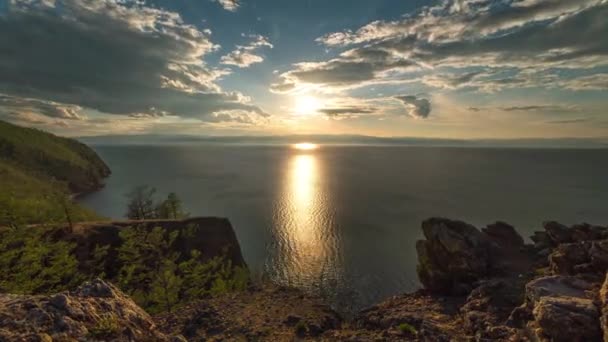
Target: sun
(305,146)
(306,105)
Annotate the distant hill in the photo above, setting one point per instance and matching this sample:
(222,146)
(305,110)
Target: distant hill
(338,139)
(40,171)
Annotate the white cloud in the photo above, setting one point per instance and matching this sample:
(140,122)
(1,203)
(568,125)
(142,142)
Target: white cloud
(246,55)
(527,38)
(229,5)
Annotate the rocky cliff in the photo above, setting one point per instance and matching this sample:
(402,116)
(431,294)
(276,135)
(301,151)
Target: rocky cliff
(212,236)
(480,285)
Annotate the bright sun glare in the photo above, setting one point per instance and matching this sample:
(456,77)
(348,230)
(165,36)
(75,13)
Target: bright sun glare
(306,104)
(305,146)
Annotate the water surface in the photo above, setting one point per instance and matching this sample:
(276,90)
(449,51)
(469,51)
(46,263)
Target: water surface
(343,220)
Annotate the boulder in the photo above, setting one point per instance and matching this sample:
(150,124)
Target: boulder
(585,257)
(503,234)
(565,258)
(556,286)
(567,319)
(453,256)
(604,308)
(95,311)
(558,233)
(559,308)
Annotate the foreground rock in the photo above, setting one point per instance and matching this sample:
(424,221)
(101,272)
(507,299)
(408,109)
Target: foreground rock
(268,313)
(560,308)
(453,256)
(95,311)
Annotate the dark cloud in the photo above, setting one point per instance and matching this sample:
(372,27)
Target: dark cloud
(10,105)
(347,110)
(114,57)
(531,108)
(537,108)
(416,107)
(353,67)
(567,122)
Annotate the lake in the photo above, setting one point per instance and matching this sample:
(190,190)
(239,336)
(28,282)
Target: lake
(342,221)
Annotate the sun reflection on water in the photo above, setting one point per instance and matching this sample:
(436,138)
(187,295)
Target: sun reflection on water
(306,250)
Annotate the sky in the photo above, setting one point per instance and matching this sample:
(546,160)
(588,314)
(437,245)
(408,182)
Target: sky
(457,69)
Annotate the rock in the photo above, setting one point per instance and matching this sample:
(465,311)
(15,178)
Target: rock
(96,310)
(603,296)
(587,232)
(559,308)
(567,319)
(556,286)
(566,256)
(558,233)
(292,320)
(541,240)
(598,255)
(453,256)
(503,234)
(580,257)
(489,306)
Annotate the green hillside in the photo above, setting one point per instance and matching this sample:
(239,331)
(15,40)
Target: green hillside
(40,171)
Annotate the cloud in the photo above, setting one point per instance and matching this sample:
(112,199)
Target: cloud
(568,122)
(116,57)
(591,82)
(349,111)
(229,5)
(353,68)
(245,55)
(543,108)
(527,38)
(419,108)
(14,106)
(536,108)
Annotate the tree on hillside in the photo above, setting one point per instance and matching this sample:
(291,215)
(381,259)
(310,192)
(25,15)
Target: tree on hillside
(141,203)
(171,208)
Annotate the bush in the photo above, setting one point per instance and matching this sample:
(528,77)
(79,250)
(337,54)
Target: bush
(407,328)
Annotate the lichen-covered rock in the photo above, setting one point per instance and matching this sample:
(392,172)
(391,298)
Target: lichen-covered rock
(567,319)
(603,296)
(559,308)
(453,256)
(95,311)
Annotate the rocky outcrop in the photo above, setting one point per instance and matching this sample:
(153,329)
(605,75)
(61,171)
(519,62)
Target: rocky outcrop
(560,308)
(582,257)
(453,256)
(513,295)
(503,234)
(95,311)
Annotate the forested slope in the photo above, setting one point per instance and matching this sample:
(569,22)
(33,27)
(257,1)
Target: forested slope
(40,171)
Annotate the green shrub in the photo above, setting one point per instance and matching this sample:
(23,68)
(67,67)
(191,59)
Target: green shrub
(407,328)
(106,328)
